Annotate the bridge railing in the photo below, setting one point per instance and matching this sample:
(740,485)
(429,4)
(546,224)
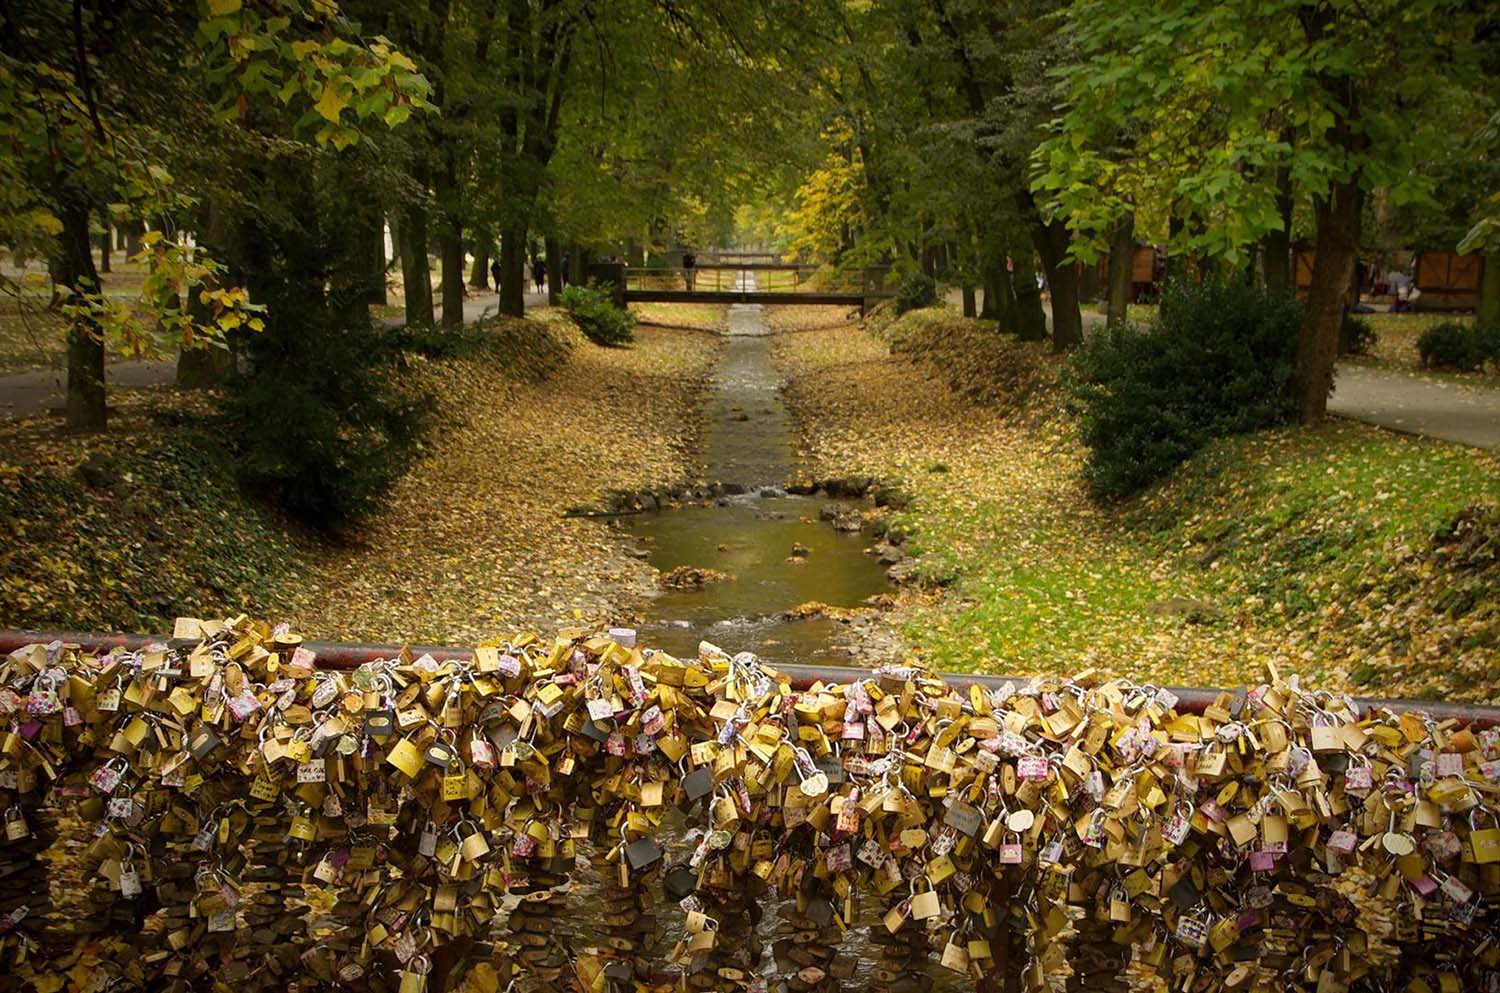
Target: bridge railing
(742,279)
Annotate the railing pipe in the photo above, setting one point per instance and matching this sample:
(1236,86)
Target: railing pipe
(350,655)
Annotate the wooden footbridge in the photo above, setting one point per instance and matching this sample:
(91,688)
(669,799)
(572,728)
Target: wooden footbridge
(742,282)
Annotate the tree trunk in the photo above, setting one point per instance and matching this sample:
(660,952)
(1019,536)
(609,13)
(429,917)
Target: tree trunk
(1051,242)
(554,269)
(513,271)
(1488,315)
(479,275)
(451,247)
(104,246)
(970,304)
(393,225)
(1276,246)
(372,256)
(1006,309)
(1028,319)
(1121,261)
(1175,269)
(1333,267)
(991,276)
(414,266)
(1090,285)
(75,268)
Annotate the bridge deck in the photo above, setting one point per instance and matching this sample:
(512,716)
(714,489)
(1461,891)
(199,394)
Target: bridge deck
(748,296)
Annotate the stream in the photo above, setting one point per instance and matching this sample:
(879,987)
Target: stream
(748,444)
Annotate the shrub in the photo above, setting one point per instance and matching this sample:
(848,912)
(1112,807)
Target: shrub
(323,423)
(594,311)
(1356,336)
(915,291)
(442,342)
(1458,347)
(1217,361)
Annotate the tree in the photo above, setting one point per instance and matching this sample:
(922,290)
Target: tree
(1297,91)
(74,136)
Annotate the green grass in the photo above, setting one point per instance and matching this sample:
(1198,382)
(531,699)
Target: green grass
(1264,540)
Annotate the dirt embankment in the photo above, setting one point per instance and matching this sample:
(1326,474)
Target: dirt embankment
(127,530)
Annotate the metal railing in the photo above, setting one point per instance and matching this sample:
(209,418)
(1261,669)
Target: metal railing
(351,655)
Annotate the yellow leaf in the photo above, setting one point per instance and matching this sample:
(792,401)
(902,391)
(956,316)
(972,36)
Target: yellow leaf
(331,103)
(223,8)
(47,221)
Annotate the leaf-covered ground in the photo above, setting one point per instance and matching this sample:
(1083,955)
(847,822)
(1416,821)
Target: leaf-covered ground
(1331,551)
(473,542)
(153,525)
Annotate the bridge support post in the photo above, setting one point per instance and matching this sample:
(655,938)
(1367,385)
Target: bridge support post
(611,276)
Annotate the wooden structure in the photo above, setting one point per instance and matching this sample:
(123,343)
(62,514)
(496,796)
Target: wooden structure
(1448,281)
(727,283)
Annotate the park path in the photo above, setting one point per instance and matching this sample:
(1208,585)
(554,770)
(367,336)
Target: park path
(1469,415)
(34,391)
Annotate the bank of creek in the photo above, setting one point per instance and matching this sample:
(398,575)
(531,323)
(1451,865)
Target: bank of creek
(739,564)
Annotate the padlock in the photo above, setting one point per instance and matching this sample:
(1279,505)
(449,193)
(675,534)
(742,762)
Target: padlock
(924,904)
(472,845)
(414,975)
(405,756)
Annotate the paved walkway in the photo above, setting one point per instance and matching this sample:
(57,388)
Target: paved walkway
(1469,415)
(25,393)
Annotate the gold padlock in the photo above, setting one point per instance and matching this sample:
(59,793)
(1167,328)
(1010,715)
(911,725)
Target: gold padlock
(405,756)
(473,846)
(414,976)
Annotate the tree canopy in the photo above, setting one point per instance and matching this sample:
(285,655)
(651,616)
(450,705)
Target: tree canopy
(993,144)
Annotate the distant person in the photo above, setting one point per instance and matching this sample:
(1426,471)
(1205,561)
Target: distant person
(495,272)
(689,264)
(563,272)
(539,273)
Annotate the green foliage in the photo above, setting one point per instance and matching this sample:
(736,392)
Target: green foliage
(1195,105)
(323,424)
(1356,336)
(128,530)
(1459,347)
(596,315)
(436,342)
(1217,362)
(915,291)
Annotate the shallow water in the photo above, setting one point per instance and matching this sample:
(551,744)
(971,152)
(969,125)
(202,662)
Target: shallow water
(748,444)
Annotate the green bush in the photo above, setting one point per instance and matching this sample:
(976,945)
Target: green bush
(1356,336)
(324,423)
(1458,347)
(1217,361)
(443,342)
(594,311)
(915,291)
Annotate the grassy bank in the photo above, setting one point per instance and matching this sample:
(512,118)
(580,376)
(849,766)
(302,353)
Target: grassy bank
(126,530)
(1314,549)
